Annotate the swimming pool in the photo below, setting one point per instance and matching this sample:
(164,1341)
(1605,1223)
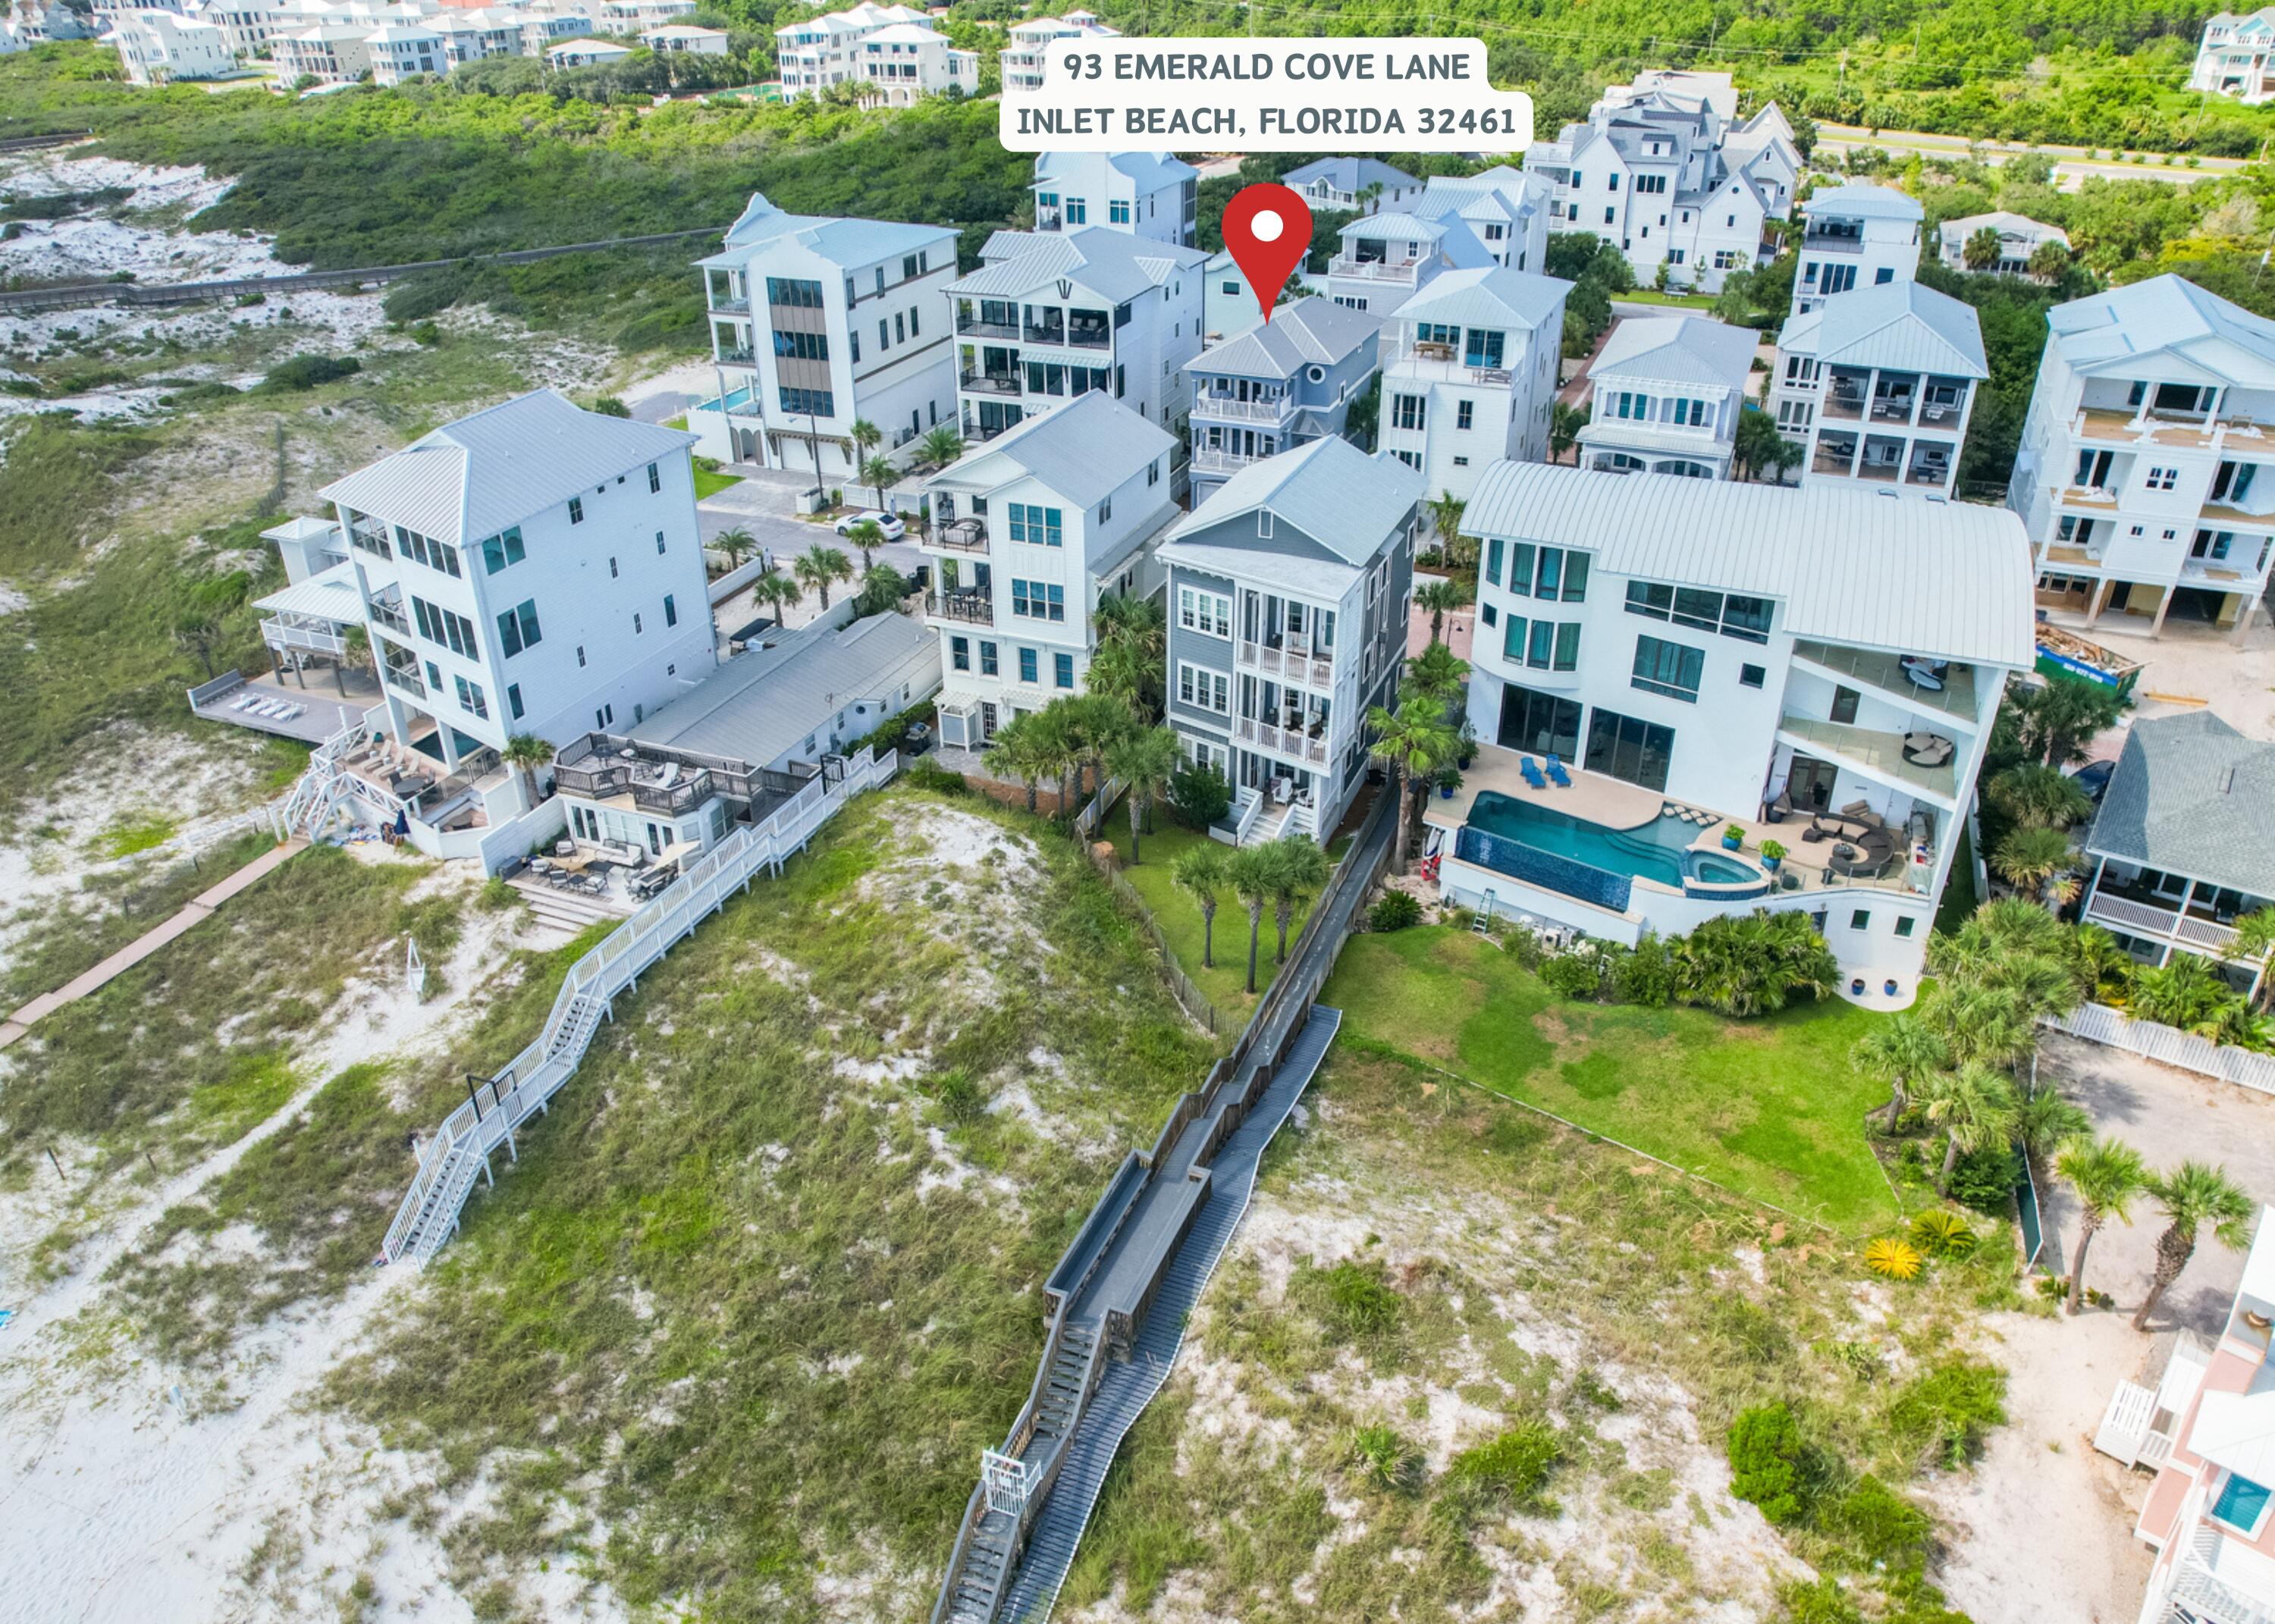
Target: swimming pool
(1660,849)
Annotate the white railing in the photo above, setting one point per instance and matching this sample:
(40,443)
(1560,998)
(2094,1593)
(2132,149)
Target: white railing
(277,634)
(2128,915)
(1375,270)
(1287,741)
(2169,1045)
(460,1149)
(1295,664)
(1252,808)
(1245,410)
(1206,459)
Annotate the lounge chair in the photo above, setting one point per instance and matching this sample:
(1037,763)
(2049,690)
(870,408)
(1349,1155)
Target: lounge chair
(1524,765)
(1557,775)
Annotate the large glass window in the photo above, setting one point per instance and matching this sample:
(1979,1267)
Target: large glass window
(1628,748)
(1734,615)
(2241,1504)
(1669,668)
(1548,572)
(1540,722)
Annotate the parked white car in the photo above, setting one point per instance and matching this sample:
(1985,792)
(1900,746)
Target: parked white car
(889,523)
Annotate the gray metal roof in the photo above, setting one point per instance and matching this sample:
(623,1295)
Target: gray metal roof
(2110,333)
(473,478)
(1349,501)
(1839,558)
(843,241)
(1114,265)
(760,704)
(1149,171)
(1677,349)
(1085,450)
(1310,330)
(1494,296)
(1902,326)
(2191,796)
(1348,174)
(1863,201)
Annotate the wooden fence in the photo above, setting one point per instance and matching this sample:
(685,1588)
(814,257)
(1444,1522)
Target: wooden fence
(2170,1046)
(1195,1001)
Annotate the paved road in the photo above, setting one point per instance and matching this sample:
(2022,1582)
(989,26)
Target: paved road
(2071,164)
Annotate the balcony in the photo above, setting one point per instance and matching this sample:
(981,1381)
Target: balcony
(404,679)
(2097,496)
(1844,398)
(1224,408)
(1305,745)
(1835,454)
(1090,335)
(971,605)
(973,327)
(1833,242)
(1883,756)
(1405,272)
(1889,677)
(2214,574)
(1208,461)
(730,307)
(2135,917)
(989,382)
(388,614)
(305,637)
(1294,665)
(1045,333)
(963,535)
(1893,406)
(736,358)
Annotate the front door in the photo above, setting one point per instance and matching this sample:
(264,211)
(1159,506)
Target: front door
(1809,782)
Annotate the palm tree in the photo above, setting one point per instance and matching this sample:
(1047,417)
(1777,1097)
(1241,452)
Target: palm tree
(2106,1173)
(2037,796)
(1100,721)
(1446,519)
(2185,992)
(1250,873)
(1202,870)
(1144,761)
(776,591)
(1132,651)
(1440,598)
(863,435)
(2040,861)
(1564,425)
(1056,752)
(1975,1108)
(940,446)
(2254,944)
(1903,1047)
(877,472)
(868,536)
(1019,751)
(2193,1195)
(1437,675)
(1980,250)
(818,566)
(524,753)
(2046,1121)
(738,544)
(1417,743)
(1300,870)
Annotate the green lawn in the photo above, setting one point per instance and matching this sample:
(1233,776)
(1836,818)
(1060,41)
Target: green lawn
(1652,296)
(1769,1108)
(1179,916)
(708,484)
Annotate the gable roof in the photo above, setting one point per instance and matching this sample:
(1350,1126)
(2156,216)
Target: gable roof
(1348,174)
(2005,223)
(1904,326)
(2193,796)
(1309,330)
(1828,552)
(842,241)
(1862,200)
(1493,296)
(1113,264)
(1085,450)
(1348,501)
(1148,171)
(2110,332)
(470,478)
(1677,349)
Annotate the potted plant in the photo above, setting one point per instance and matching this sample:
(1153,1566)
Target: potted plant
(1448,781)
(1733,836)
(1773,854)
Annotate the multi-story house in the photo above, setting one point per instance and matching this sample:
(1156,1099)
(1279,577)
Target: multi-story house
(629,16)
(1504,209)
(1148,194)
(1048,319)
(156,47)
(2183,842)
(1029,532)
(1697,654)
(478,34)
(401,50)
(2143,474)
(1279,385)
(583,53)
(685,39)
(1027,45)
(331,53)
(1368,186)
(1878,384)
(1665,168)
(2019,238)
(1859,236)
(2232,56)
(894,47)
(1668,393)
(534,568)
(820,322)
(2208,1429)
(1469,376)
(1288,597)
(1386,259)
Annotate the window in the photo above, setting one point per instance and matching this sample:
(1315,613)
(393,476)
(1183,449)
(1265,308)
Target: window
(1672,670)
(959,653)
(1117,212)
(654,480)
(1734,615)
(792,291)
(1231,289)
(670,611)
(1062,669)
(604,716)
(1904,924)
(801,346)
(1036,527)
(576,509)
(1627,748)
(1750,676)
(808,403)
(580,656)
(445,626)
(1861,920)
(635,622)
(1484,348)
(1105,511)
(439,555)
(899,328)
(518,627)
(1464,413)
(2163,478)
(1493,561)
(1203,689)
(1027,666)
(1844,704)
(1206,612)
(1540,722)
(986,660)
(470,698)
(612,566)
(1406,411)
(513,700)
(2241,1505)
(503,549)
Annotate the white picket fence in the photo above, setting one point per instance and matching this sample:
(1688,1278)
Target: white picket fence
(460,1149)
(2170,1045)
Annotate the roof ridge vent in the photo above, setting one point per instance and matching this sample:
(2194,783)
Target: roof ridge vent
(2227,779)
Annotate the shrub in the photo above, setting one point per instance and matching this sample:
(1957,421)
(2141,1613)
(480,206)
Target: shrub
(1753,963)
(1574,974)
(924,775)
(1942,1234)
(1526,948)
(1356,1300)
(1514,1467)
(612,406)
(1394,911)
(960,1098)
(1383,1458)
(1882,1521)
(1646,975)
(1985,1179)
(496,895)
(1765,1462)
(1825,1602)
(306,371)
(419,297)
(1949,1408)
(1893,1259)
(1198,796)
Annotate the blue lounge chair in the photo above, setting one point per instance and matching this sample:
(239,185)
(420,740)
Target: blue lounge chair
(1531,774)
(1558,775)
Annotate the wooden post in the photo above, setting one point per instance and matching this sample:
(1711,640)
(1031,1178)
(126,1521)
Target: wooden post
(52,1162)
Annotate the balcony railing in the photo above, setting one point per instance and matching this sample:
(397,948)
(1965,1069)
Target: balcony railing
(1034,334)
(1228,409)
(975,328)
(1892,409)
(1303,744)
(1208,461)
(1089,337)
(278,635)
(405,678)
(1832,242)
(685,795)
(2128,915)
(736,357)
(989,382)
(1294,665)
(1845,402)
(389,616)
(971,605)
(1376,270)
(732,306)
(963,535)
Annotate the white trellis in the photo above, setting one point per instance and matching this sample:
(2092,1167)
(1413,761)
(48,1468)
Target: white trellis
(1004,1477)
(414,968)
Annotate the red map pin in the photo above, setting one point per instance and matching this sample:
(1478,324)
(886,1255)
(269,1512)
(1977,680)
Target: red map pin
(1268,229)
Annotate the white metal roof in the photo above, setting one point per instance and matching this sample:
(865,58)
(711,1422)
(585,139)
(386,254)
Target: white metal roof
(1309,330)
(2110,333)
(473,478)
(329,594)
(1349,501)
(1084,451)
(1947,579)
(1863,201)
(1114,265)
(1677,349)
(2005,223)
(1902,326)
(1489,296)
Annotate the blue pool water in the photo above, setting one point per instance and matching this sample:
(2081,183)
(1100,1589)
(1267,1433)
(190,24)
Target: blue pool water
(1655,850)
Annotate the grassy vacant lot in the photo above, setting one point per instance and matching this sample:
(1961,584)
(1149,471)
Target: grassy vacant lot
(1179,916)
(710,483)
(1770,1107)
(1460,1363)
(763,1284)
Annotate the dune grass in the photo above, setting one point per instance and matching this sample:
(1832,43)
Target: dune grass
(1769,1108)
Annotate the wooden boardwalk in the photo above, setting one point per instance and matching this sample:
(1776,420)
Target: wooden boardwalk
(198,908)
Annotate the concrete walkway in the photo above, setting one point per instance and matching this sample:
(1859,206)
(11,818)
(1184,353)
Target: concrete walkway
(199,907)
